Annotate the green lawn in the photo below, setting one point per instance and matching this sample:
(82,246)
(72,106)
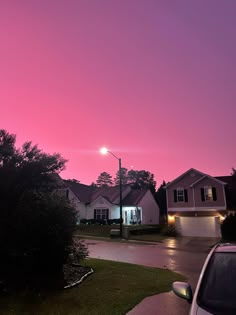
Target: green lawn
(114,288)
(104,231)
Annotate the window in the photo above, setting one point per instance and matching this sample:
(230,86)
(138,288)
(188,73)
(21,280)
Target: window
(180,195)
(101,214)
(208,193)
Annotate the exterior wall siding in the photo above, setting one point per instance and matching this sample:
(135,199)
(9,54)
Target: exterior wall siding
(150,209)
(220,202)
(184,182)
(195,202)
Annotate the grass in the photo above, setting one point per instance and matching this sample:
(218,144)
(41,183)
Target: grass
(104,231)
(114,288)
(149,237)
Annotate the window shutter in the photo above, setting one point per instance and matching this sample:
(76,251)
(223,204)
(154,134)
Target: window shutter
(94,215)
(202,194)
(107,214)
(185,195)
(175,195)
(214,193)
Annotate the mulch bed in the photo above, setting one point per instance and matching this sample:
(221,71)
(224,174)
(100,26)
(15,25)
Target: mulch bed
(74,274)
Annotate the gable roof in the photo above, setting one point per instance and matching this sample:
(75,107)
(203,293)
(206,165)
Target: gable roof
(210,177)
(182,175)
(220,181)
(134,197)
(88,194)
(81,191)
(230,180)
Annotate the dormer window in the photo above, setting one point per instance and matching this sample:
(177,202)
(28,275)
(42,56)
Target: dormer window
(180,195)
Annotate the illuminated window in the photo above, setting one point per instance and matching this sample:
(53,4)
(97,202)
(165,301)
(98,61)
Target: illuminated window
(208,193)
(101,214)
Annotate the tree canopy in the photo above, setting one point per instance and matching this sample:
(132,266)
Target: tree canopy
(35,224)
(104,180)
(139,179)
(160,197)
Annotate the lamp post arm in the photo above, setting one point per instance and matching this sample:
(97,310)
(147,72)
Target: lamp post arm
(113,155)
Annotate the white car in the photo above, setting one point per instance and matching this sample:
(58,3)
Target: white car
(216,288)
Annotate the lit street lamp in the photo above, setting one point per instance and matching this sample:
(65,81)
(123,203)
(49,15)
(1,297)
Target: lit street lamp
(105,151)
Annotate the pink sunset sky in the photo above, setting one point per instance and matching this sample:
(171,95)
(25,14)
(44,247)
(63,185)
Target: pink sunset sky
(152,80)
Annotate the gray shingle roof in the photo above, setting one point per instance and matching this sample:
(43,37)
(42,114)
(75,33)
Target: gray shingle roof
(88,194)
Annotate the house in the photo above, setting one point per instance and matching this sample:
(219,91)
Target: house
(138,206)
(196,204)
(230,191)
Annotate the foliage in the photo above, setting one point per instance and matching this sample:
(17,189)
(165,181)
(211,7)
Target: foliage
(139,179)
(160,197)
(228,228)
(104,180)
(73,180)
(78,251)
(36,225)
(124,177)
(233,171)
(99,221)
(169,230)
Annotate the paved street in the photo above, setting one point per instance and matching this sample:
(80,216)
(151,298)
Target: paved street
(183,255)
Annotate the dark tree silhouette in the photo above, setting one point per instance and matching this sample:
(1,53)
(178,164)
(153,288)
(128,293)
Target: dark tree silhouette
(104,180)
(36,225)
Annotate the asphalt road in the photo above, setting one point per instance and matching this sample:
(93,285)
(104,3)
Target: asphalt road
(183,255)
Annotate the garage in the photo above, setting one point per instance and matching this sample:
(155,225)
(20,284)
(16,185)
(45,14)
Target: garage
(198,226)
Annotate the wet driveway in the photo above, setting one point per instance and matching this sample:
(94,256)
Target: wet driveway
(184,255)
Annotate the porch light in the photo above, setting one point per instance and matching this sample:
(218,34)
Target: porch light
(171,219)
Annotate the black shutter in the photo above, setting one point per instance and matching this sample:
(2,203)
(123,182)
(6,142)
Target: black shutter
(185,195)
(202,194)
(107,215)
(214,193)
(175,195)
(94,214)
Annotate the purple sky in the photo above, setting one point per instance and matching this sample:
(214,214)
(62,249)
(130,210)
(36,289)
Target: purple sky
(152,80)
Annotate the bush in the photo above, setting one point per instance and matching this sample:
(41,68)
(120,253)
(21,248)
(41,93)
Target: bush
(78,252)
(146,230)
(40,243)
(99,221)
(169,231)
(228,228)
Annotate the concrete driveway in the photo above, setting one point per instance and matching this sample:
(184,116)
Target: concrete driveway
(184,255)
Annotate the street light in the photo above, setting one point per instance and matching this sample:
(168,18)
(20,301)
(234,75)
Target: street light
(105,151)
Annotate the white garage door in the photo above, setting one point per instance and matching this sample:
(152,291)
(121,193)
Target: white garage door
(198,226)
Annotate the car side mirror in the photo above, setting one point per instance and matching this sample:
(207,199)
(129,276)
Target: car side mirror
(183,290)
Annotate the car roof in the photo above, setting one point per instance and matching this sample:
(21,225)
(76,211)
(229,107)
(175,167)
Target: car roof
(225,247)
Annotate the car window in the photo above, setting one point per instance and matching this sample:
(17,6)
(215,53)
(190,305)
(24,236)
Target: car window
(217,293)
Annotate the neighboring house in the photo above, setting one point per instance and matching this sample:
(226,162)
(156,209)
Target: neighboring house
(230,191)
(196,204)
(138,206)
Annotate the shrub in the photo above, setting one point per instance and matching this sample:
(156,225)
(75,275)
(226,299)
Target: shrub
(78,251)
(228,228)
(145,230)
(169,231)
